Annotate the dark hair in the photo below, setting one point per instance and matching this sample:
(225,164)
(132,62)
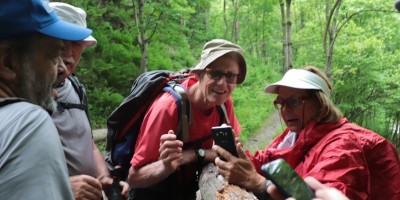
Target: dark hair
(23,45)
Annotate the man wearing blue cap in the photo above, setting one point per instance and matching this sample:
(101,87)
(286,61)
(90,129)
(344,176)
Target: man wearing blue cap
(32,163)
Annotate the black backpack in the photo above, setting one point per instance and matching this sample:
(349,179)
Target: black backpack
(124,122)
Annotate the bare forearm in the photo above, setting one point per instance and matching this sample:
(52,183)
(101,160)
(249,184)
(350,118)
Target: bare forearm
(259,186)
(210,156)
(155,172)
(101,167)
(148,175)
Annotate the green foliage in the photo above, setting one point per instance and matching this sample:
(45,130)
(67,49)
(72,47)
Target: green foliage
(365,64)
(106,102)
(252,105)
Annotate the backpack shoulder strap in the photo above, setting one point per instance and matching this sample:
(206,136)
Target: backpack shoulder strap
(186,114)
(223,114)
(223,118)
(61,106)
(80,90)
(184,110)
(6,101)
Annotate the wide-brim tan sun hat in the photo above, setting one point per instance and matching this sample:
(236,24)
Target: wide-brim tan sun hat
(216,48)
(300,79)
(74,15)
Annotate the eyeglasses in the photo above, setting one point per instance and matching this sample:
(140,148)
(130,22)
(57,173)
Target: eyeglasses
(217,75)
(291,103)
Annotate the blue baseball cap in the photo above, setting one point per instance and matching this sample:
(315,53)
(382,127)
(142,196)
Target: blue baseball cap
(18,17)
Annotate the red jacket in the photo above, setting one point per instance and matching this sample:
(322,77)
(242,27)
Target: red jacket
(355,160)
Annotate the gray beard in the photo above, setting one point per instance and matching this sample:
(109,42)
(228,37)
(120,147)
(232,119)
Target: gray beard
(36,89)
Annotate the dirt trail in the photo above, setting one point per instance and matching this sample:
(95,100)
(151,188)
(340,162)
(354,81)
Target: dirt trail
(266,133)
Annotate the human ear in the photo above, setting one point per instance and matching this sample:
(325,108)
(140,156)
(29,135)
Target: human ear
(6,65)
(199,75)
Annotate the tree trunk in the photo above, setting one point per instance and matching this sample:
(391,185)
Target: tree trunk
(225,20)
(253,47)
(395,133)
(235,23)
(264,53)
(144,57)
(330,32)
(289,36)
(141,34)
(213,186)
(284,42)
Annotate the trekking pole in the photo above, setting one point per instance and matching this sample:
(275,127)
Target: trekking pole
(115,193)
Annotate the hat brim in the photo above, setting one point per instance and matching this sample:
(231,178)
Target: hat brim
(299,79)
(65,31)
(90,41)
(214,56)
(273,88)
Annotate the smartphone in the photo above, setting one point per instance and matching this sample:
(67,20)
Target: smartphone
(288,182)
(223,137)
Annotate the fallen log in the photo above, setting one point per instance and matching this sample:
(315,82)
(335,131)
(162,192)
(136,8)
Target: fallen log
(214,187)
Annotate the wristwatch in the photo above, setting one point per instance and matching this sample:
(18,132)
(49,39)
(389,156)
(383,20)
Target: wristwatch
(200,154)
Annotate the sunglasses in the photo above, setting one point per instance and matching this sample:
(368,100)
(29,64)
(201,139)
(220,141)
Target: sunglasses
(217,75)
(290,103)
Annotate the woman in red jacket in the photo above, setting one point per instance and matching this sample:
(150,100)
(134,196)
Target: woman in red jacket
(320,143)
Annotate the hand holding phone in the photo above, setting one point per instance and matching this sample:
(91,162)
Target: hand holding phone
(223,137)
(286,180)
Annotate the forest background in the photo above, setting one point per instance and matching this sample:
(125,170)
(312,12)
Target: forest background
(356,42)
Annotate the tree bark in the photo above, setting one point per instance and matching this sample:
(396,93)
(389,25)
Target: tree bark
(264,53)
(141,34)
(286,34)
(144,31)
(289,36)
(235,22)
(330,32)
(213,186)
(225,20)
(284,42)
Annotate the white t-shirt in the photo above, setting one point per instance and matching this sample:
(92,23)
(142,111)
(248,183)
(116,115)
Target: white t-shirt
(288,141)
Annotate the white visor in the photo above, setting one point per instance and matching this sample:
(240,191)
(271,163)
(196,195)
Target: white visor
(300,79)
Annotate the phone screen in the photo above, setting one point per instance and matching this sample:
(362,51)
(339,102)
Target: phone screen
(223,137)
(288,182)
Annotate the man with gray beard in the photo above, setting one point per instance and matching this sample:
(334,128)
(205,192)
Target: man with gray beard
(32,163)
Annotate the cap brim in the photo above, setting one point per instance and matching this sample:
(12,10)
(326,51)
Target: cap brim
(90,41)
(273,88)
(300,79)
(66,31)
